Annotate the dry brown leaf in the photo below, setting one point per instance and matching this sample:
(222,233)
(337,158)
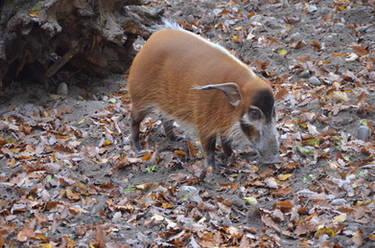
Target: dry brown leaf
(180,152)
(147,156)
(291,20)
(316,45)
(360,50)
(281,93)
(284,206)
(357,238)
(100,238)
(298,44)
(270,223)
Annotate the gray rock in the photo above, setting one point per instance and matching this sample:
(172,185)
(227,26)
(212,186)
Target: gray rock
(338,202)
(315,81)
(296,36)
(340,24)
(363,133)
(190,18)
(305,74)
(62,89)
(372,75)
(312,8)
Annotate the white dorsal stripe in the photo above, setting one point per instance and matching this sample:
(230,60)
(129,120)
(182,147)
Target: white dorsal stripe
(172,25)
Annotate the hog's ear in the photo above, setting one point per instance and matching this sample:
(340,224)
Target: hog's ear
(230,90)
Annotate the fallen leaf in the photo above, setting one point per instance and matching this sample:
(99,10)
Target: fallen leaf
(339,218)
(106,143)
(282,52)
(250,200)
(339,54)
(270,223)
(180,153)
(284,206)
(147,156)
(281,93)
(357,238)
(284,177)
(360,50)
(339,95)
(33,14)
(316,45)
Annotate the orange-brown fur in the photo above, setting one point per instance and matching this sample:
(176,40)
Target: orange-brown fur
(171,63)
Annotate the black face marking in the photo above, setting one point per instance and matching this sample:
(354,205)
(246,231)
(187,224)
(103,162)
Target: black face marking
(264,100)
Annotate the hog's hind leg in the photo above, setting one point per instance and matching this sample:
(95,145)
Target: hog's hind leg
(136,119)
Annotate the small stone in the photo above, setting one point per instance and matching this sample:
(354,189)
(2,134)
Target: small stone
(312,8)
(340,24)
(338,202)
(190,18)
(372,75)
(62,89)
(296,36)
(364,133)
(117,217)
(363,29)
(315,81)
(305,74)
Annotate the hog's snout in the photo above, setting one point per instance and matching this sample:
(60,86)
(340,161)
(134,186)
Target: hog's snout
(268,145)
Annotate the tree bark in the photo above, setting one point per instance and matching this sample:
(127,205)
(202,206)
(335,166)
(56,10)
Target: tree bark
(39,37)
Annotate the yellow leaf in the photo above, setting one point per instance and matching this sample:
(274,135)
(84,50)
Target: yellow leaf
(33,14)
(81,121)
(167,205)
(282,52)
(287,27)
(106,143)
(45,245)
(235,37)
(142,186)
(284,177)
(254,168)
(68,193)
(339,218)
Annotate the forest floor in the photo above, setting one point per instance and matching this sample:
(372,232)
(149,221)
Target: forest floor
(68,176)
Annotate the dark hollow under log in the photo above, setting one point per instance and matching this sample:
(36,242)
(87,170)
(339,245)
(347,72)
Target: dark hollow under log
(40,37)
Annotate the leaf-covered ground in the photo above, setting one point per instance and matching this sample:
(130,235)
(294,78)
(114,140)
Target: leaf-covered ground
(68,177)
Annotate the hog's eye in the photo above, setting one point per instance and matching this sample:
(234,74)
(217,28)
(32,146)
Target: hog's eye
(254,114)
